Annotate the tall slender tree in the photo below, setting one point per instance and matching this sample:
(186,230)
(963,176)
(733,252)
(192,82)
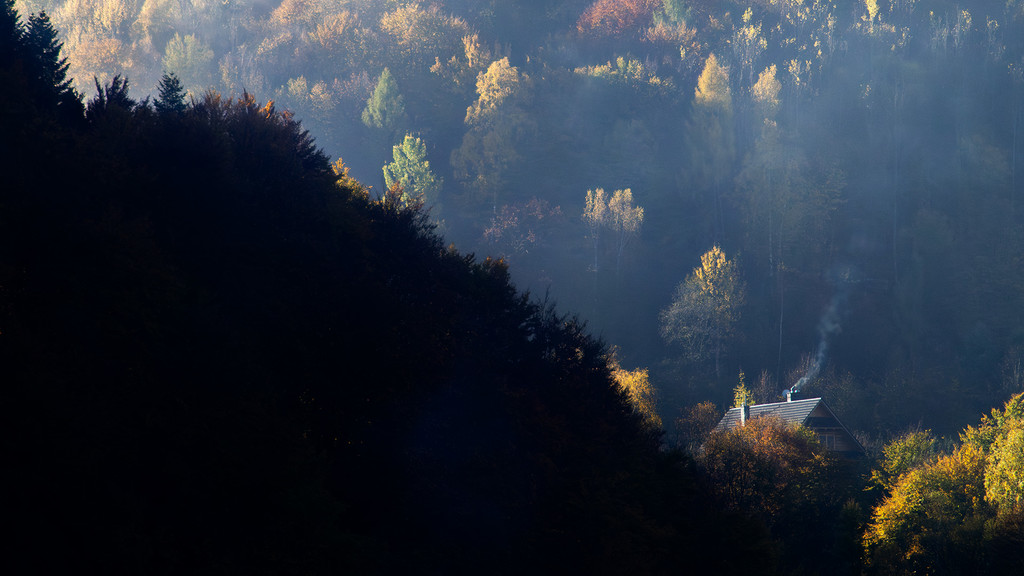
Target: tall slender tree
(385,109)
(711,142)
(625,221)
(49,66)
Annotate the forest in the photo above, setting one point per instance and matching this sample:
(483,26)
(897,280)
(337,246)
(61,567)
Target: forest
(390,286)
(855,160)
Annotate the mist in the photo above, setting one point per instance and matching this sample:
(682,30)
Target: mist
(795,136)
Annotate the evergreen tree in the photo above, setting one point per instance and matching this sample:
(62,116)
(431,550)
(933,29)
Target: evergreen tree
(50,68)
(411,170)
(171,95)
(113,96)
(10,30)
(385,109)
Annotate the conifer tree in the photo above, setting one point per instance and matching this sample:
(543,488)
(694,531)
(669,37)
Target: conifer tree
(411,170)
(10,30)
(50,68)
(385,109)
(112,96)
(171,95)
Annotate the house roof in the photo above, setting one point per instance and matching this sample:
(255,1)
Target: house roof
(795,412)
(811,412)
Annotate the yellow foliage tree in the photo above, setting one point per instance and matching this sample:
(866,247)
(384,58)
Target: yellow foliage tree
(637,386)
(625,221)
(952,513)
(496,126)
(595,216)
(930,508)
(705,307)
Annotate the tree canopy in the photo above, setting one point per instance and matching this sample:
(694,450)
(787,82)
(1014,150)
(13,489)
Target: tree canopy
(229,355)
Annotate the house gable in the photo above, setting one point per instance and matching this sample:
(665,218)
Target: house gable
(811,413)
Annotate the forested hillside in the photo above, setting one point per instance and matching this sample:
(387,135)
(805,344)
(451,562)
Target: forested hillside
(856,160)
(226,354)
(222,355)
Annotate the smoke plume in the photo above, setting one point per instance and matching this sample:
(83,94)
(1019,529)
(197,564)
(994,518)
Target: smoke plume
(827,326)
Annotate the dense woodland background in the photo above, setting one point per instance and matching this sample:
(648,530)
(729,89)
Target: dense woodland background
(858,160)
(232,356)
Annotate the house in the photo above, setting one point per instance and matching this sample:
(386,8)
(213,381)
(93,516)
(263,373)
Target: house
(811,413)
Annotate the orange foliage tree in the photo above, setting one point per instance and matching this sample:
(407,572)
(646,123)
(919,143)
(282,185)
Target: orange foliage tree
(616,17)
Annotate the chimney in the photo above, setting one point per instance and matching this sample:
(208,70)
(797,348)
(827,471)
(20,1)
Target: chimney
(789,394)
(744,413)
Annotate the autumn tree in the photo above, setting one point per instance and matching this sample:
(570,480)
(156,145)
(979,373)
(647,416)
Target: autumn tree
(911,450)
(741,394)
(705,308)
(782,475)
(411,169)
(932,522)
(461,71)
(748,45)
(636,384)
(618,214)
(694,425)
(625,220)
(496,125)
(616,17)
(952,513)
(516,229)
(422,33)
(595,217)
(765,93)
(710,140)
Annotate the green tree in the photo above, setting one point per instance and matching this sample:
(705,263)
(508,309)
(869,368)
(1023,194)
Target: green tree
(10,29)
(705,308)
(411,169)
(385,109)
(190,59)
(911,450)
(170,95)
(673,11)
